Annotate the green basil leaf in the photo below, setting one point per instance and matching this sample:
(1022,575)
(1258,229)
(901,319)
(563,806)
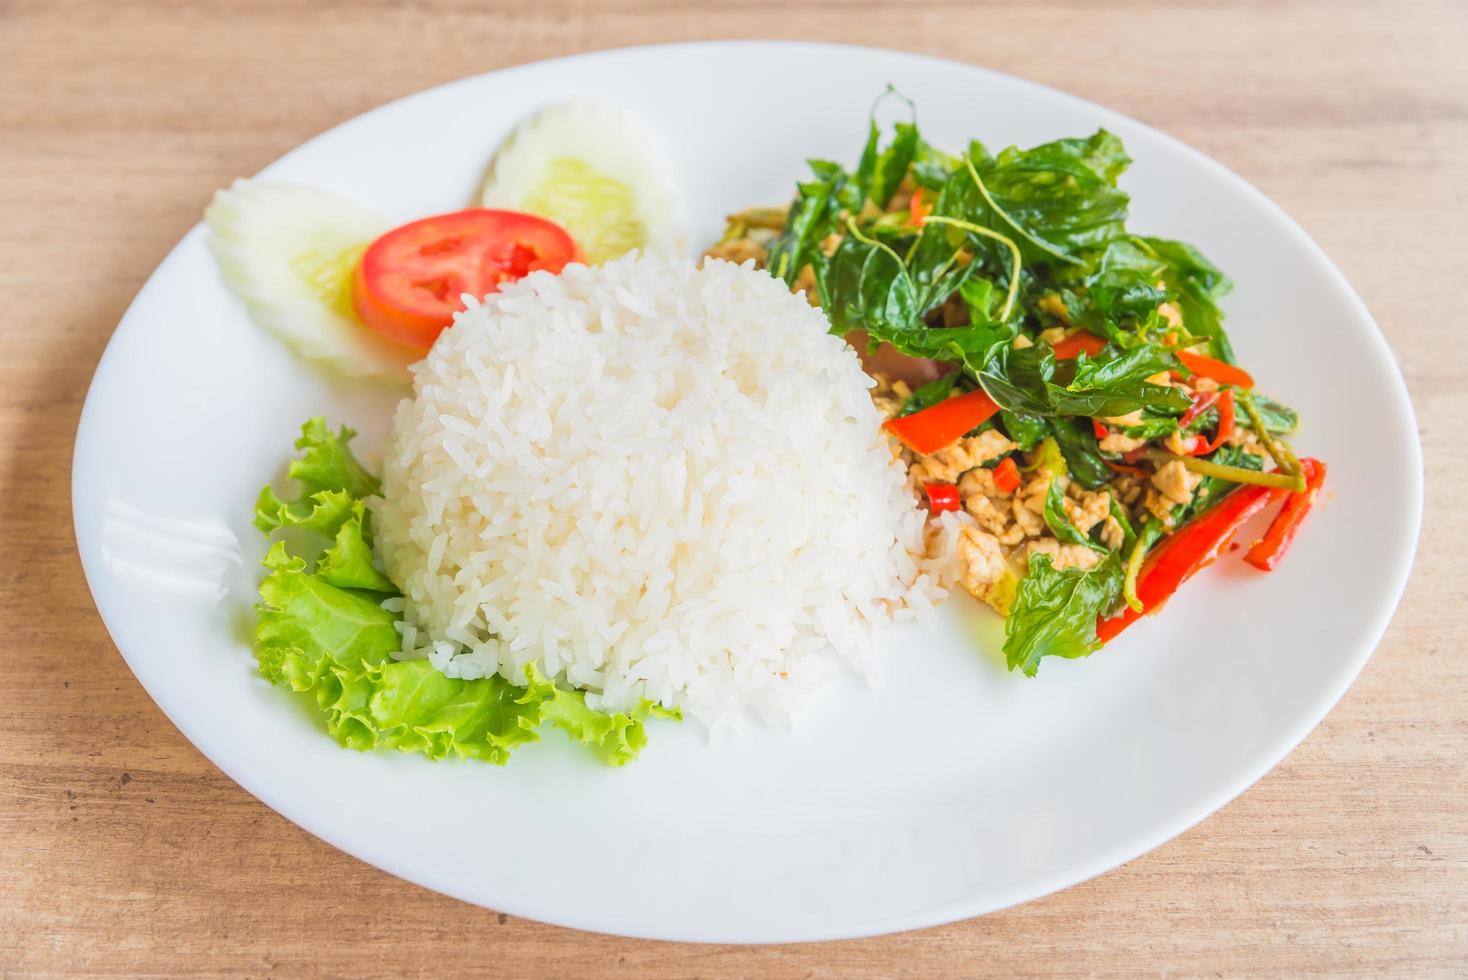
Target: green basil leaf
(1054,612)
(1077,442)
(1060,523)
(1198,285)
(1060,198)
(930,394)
(1026,430)
(892,164)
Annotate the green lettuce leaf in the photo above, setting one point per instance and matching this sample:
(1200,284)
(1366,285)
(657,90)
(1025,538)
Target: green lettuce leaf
(347,564)
(326,462)
(321,630)
(322,512)
(316,622)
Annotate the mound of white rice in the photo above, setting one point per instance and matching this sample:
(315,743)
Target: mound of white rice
(654,481)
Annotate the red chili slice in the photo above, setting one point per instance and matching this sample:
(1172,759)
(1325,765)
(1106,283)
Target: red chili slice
(942,497)
(1204,446)
(1006,475)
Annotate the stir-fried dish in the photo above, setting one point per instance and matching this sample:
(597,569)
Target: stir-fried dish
(1061,389)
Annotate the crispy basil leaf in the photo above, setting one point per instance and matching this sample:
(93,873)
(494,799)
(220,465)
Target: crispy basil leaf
(1152,427)
(812,216)
(853,193)
(892,164)
(931,167)
(1019,379)
(885,294)
(1123,289)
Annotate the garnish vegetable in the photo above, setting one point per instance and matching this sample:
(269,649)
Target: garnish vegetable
(324,629)
(592,169)
(408,284)
(289,252)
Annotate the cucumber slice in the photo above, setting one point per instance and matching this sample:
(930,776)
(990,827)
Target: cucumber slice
(589,167)
(289,252)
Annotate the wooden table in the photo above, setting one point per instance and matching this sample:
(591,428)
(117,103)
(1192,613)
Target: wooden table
(123,851)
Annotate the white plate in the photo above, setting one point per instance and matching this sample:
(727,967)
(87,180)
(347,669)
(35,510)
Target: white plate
(951,790)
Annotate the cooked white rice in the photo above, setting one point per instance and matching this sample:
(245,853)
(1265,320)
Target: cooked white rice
(654,481)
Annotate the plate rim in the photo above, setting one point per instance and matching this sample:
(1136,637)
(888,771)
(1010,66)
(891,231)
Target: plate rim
(1105,859)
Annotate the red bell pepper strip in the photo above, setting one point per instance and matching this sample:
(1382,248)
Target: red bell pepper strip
(1202,402)
(1209,367)
(1203,446)
(1100,431)
(1135,455)
(1268,550)
(1079,341)
(1123,468)
(1190,548)
(941,497)
(917,210)
(1006,475)
(942,424)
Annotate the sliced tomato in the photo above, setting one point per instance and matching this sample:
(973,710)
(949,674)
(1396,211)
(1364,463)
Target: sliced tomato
(408,284)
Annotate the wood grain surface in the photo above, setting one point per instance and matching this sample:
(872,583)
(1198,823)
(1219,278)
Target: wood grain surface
(123,851)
